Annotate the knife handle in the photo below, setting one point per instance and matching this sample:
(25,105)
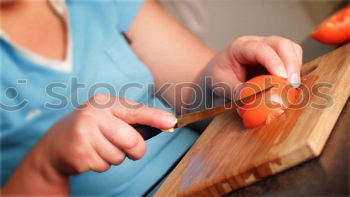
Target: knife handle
(146,132)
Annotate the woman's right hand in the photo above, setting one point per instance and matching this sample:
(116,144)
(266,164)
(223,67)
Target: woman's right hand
(96,136)
(93,137)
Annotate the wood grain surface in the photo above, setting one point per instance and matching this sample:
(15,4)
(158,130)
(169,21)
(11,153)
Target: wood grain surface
(227,156)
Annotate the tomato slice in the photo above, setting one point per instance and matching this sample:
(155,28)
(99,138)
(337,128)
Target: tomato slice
(334,29)
(268,106)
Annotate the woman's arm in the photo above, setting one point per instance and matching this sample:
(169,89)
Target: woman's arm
(175,56)
(35,175)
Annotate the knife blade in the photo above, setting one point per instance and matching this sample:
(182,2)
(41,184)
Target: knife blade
(148,132)
(192,117)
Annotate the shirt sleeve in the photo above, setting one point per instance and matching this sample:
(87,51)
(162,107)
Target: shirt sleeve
(126,12)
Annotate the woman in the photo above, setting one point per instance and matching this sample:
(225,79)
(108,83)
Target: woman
(73,74)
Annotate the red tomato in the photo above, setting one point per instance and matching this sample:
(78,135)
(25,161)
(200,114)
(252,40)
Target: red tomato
(334,29)
(267,106)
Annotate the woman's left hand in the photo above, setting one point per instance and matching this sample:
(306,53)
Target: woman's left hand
(280,56)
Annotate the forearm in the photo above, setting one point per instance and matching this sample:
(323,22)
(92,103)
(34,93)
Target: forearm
(35,176)
(172,53)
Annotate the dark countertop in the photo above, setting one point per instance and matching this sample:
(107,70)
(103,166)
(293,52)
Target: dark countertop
(327,175)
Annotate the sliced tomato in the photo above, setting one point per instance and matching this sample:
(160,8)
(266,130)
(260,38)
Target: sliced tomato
(266,107)
(334,29)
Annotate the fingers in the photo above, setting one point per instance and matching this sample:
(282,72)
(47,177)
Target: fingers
(262,53)
(93,138)
(114,123)
(299,52)
(121,135)
(280,56)
(294,69)
(107,151)
(291,55)
(96,163)
(136,113)
(133,112)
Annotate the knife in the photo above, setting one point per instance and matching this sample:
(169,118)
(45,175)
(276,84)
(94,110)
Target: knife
(148,132)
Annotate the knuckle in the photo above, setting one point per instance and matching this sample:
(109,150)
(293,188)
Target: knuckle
(282,43)
(243,38)
(101,99)
(131,116)
(237,41)
(118,158)
(275,37)
(156,113)
(240,39)
(85,123)
(128,104)
(250,44)
(80,131)
(138,108)
(131,142)
(259,46)
(299,48)
(133,113)
(100,166)
(86,117)
(140,153)
(243,41)
(136,113)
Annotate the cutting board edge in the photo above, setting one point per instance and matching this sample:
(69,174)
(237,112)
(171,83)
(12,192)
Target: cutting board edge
(289,158)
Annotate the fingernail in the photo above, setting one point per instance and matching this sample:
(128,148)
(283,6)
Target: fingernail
(170,119)
(169,130)
(294,80)
(281,72)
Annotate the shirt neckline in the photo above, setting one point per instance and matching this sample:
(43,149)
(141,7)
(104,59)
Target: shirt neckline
(65,65)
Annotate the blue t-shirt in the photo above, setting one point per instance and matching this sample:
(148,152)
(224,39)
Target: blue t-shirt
(34,97)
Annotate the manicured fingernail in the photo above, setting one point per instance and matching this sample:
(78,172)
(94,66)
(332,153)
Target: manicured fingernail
(281,72)
(170,119)
(169,130)
(294,80)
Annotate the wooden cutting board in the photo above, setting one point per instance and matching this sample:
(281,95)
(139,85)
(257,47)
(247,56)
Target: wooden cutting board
(227,156)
